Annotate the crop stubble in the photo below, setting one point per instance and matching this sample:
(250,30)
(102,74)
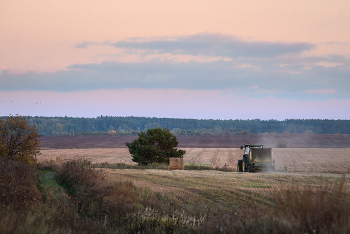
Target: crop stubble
(222,188)
(296,160)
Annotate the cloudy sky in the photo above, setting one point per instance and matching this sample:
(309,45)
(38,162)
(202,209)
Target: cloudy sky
(234,59)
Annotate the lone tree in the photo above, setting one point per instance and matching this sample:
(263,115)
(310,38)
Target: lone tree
(155,146)
(18,140)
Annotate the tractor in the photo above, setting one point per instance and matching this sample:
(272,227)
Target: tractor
(256,158)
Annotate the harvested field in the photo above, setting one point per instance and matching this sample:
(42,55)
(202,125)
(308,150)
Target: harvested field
(110,155)
(205,141)
(225,189)
(293,160)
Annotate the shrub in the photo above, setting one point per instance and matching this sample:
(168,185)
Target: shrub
(309,132)
(159,166)
(197,167)
(17,184)
(155,146)
(98,197)
(79,172)
(18,140)
(114,165)
(281,144)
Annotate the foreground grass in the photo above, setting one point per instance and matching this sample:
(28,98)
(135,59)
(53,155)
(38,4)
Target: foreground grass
(76,197)
(197,191)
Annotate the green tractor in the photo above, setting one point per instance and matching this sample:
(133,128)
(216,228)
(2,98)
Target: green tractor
(256,158)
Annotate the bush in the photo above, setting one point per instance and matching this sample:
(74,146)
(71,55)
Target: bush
(79,172)
(97,197)
(17,184)
(281,144)
(159,166)
(309,132)
(197,167)
(18,140)
(155,146)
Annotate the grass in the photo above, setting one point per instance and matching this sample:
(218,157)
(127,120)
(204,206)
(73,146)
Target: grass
(48,186)
(160,166)
(78,197)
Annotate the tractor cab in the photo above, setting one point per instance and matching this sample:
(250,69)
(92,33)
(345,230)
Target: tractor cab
(248,147)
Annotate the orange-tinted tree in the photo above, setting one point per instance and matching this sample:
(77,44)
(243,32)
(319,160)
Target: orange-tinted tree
(19,140)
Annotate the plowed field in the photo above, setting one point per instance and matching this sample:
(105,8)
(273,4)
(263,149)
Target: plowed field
(290,159)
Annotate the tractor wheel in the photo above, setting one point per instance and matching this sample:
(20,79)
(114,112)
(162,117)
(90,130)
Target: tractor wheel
(239,166)
(250,168)
(245,166)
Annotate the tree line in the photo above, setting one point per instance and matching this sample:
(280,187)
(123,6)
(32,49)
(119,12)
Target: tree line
(133,125)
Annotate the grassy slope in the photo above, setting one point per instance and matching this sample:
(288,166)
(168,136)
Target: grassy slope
(78,198)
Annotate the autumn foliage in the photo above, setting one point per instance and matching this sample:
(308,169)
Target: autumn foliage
(18,140)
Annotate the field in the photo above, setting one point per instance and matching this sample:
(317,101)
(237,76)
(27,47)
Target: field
(225,189)
(309,193)
(74,197)
(286,159)
(203,141)
(313,153)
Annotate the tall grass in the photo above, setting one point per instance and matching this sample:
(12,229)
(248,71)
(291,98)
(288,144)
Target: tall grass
(322,209)
(98,197)
(119,206)
(30,203)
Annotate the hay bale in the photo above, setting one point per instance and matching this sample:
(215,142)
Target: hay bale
(176,164)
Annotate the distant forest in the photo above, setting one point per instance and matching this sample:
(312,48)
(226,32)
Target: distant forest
(133,125)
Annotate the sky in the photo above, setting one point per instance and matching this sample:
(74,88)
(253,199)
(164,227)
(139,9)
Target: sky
(234,59)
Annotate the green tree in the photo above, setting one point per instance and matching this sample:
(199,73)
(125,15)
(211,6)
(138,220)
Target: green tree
(18,140)
(155,146)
